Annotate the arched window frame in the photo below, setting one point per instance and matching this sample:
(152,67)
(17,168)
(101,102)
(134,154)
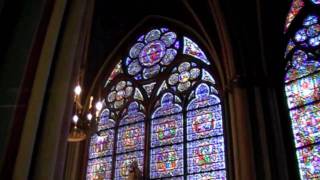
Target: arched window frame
(111,82)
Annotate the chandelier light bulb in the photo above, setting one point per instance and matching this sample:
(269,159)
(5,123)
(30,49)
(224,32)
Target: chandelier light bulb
(75,119)
(77,90)
(89,116)
(99,106)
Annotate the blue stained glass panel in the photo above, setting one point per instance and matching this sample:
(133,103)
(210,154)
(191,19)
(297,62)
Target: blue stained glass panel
(169,38)
(152,35)
(166,161)
(314,41)
(214,175)
(169,56)
(309,35)
(206,155)
(206,122)
(124,161)
(130,138)
(152,53)
(309,20)
(135,50)
(313,30)
(301,35)
(303,69)
(167,106)
(203,98)
(167,130)
(192,49)
(133,115)
(206,76)
(105,122)
(99,168)
(101,145)
(309,162)
(134,67)
(303,91)
(315,1)
(149,88)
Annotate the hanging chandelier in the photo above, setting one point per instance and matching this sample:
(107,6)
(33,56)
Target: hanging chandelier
(84,123)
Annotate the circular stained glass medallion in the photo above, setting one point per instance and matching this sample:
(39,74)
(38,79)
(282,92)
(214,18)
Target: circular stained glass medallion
(151,53)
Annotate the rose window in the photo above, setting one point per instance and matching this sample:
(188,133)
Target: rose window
(184,76)
(119,94)
(309,35)
(152,53)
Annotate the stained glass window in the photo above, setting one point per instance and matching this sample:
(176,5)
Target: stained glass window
(205,145)
(162,111)
(131,140)
(101,148)
(120,94)
(302,87)
(184,76)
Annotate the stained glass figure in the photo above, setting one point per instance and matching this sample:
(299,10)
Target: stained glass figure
(302,89)
(206,155)
(183,76)
(192,49)
(105,121)
(306,124)
(152,53)
(124,161)
(166,161)
(131,138)
(101,145)
(167,130)
(99,168)
(133,114)
(204,123)
(295,8)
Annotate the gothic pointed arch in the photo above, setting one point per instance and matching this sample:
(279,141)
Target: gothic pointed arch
(163,97)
